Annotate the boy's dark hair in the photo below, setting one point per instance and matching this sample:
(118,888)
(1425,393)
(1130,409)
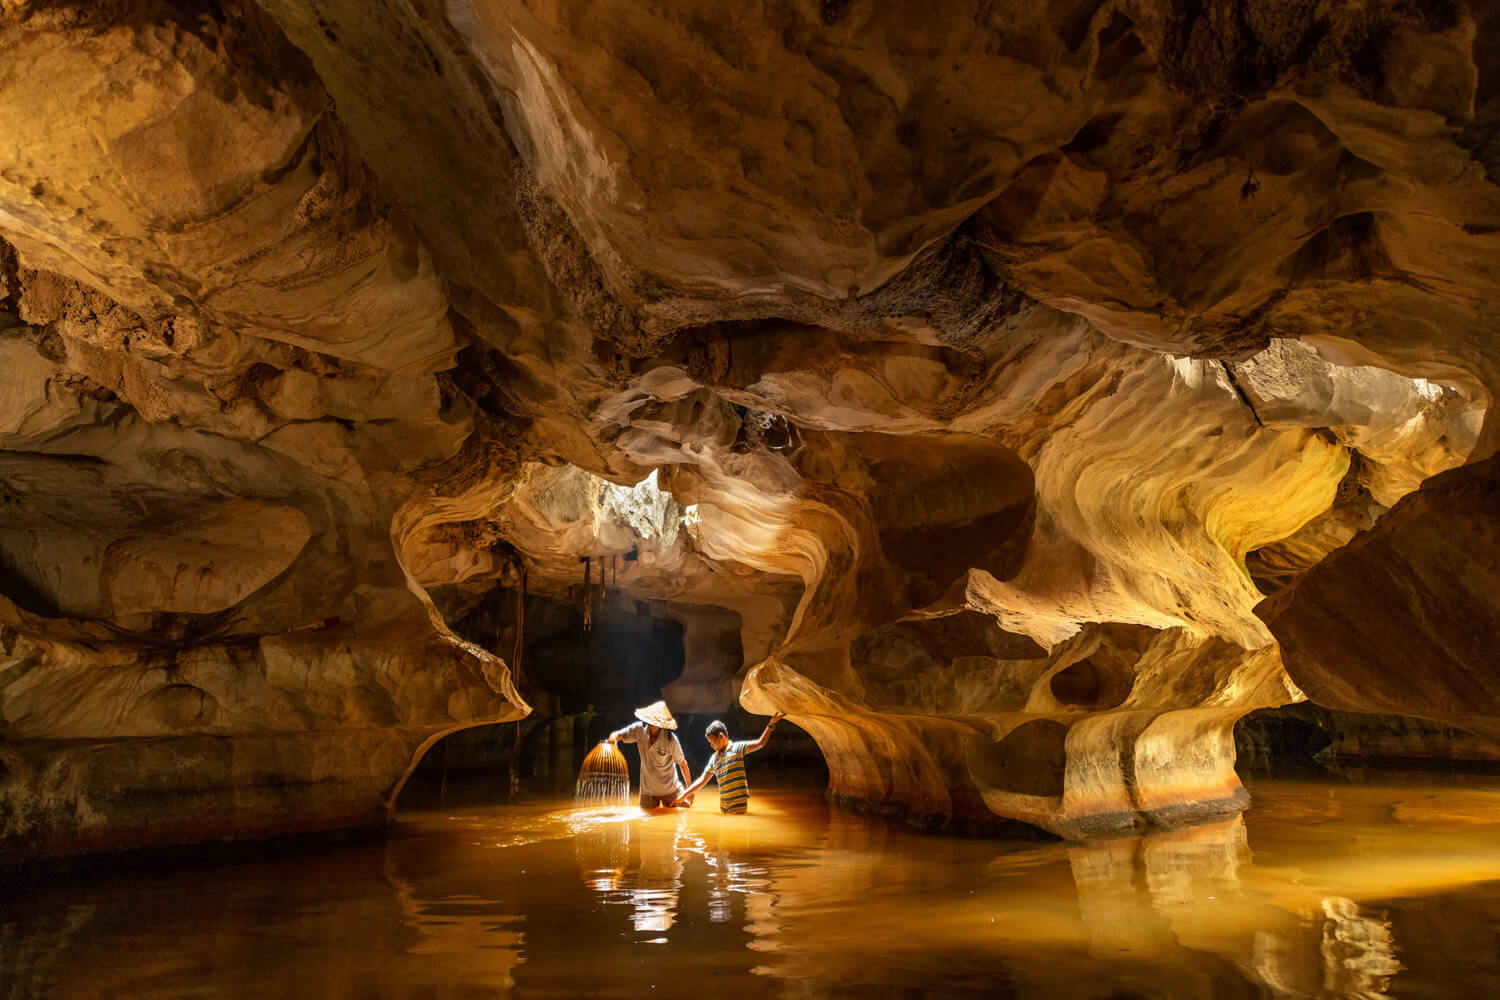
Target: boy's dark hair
(715,728)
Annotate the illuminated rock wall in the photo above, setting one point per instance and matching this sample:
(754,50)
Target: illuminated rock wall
(985,372)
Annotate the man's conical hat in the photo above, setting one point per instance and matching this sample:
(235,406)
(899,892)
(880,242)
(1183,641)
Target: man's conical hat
(656,714)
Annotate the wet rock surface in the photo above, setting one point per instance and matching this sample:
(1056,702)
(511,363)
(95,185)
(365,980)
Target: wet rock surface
(1015,399)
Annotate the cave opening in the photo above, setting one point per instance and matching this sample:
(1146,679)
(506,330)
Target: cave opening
(1395,430)
(585,682)
(563,581)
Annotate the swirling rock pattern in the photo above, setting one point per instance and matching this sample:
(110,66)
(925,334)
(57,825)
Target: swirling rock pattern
(1036,390)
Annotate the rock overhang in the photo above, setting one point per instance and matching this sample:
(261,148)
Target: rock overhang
(988,374)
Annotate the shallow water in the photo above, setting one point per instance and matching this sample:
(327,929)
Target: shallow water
(1320,890)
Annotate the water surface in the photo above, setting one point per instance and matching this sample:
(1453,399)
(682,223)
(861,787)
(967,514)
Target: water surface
(1320,890)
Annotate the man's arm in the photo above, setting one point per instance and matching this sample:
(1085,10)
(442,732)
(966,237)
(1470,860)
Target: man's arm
(680,759)
(760,744)
(626,735)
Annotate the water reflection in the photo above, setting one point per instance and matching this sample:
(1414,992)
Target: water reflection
(1195,889)
(1359,953)
(603,851)
(648,878)
(1318,892)
(454,928)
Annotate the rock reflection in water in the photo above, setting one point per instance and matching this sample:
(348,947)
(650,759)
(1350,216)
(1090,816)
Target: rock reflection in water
(455,929)
(1149,897)
(1319,892)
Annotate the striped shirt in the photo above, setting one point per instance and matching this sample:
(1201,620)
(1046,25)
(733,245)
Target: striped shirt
(728,766)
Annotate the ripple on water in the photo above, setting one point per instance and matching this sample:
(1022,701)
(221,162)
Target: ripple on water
(1396,893)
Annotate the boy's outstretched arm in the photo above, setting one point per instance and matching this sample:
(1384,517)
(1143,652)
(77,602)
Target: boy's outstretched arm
(690,789)
(761,743)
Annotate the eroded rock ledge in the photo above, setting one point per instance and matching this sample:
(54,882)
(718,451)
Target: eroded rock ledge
(1037,391)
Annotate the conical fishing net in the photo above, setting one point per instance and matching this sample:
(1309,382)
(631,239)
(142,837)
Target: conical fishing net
(604,779)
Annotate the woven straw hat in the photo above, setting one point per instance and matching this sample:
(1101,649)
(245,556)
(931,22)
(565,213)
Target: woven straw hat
(656,714)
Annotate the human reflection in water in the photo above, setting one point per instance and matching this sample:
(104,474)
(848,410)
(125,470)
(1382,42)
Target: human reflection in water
(639,863)
(735,873)
(657,884)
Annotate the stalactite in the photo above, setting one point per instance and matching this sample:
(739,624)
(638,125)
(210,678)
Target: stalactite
(588,617)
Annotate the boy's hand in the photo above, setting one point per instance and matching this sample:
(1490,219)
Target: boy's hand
(776,718)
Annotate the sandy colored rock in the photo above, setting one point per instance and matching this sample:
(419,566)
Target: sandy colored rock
(958,383)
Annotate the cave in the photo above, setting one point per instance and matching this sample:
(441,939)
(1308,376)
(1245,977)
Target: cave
(1054,439)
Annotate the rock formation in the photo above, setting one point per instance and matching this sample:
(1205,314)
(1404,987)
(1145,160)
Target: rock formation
(1036,389)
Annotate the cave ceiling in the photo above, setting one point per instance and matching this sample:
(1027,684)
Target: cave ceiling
(1043,386)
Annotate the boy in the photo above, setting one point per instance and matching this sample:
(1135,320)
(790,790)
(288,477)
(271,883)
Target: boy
(727,765)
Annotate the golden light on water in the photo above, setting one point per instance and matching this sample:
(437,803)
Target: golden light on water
(1320,890)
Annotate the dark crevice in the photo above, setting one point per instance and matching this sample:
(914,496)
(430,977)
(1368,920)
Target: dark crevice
(1240,391)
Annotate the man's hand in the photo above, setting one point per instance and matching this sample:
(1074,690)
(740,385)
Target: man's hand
(614,739)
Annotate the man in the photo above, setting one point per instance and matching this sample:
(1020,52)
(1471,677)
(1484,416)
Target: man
(727,766)
(661,756)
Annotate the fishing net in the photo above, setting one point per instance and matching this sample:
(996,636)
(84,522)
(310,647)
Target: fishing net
(604,779)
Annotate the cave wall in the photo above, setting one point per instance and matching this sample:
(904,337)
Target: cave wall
(1016,398)
(1308,739)
(221,343)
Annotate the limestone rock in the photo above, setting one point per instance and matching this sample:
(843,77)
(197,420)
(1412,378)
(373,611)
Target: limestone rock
(957,381)
(1402,619)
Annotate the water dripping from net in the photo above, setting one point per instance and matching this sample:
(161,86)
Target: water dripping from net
(601,791)
(604,779)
